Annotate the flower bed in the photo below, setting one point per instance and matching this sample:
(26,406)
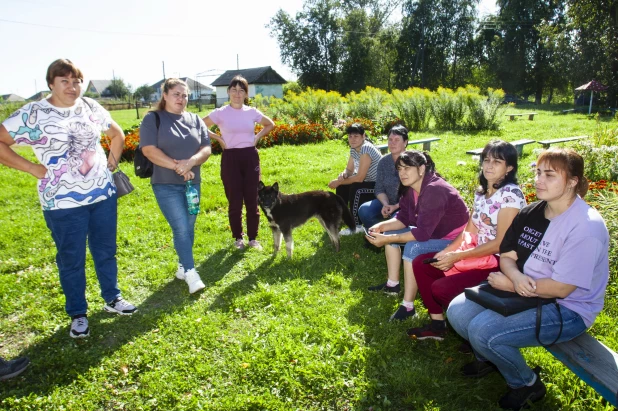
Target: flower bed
(595,189)
(281,134)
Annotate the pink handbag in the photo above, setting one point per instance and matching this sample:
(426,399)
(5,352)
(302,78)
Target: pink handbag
(476,263)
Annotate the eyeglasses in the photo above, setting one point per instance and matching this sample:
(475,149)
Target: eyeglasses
(179,95)
(237,91)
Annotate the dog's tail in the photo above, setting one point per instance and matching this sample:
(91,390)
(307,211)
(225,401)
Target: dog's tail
(348,219)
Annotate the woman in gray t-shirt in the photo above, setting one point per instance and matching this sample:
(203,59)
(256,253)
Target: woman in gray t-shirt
(177,143)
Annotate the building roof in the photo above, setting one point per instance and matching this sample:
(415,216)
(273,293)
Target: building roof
(39,96)
(258,75)
(11,98)
(193,85)
(99,85)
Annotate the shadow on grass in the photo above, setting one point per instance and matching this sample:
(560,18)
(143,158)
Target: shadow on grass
(60,360)
(222,261)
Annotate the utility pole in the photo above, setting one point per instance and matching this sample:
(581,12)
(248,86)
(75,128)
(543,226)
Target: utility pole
(163,70)
(237,64)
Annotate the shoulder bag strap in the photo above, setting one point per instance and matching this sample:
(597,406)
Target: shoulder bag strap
(539,310)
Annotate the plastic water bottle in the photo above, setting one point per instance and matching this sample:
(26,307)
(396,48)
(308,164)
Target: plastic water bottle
(193,198)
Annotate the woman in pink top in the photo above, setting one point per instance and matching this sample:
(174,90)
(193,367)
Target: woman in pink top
(240,163)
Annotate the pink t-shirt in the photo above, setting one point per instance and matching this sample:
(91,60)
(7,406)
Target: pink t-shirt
(237,125)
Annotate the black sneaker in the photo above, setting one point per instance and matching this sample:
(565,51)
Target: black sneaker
(402,313)
(10,369)
(426,332)
(520,398)
(465,348)
(386,289)
(477,369)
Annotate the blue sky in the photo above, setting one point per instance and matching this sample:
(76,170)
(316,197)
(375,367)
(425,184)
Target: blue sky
(131,38)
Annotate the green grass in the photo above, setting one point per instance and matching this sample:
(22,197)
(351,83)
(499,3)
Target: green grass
(267,333)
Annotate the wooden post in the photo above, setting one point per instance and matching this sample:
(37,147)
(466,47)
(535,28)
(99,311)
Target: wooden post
(136,109)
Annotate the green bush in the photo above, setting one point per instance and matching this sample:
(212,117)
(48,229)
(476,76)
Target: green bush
(601,154)
(448,108)
(370,103)
(310,106)
(483,111)
(6,109)
(412,106)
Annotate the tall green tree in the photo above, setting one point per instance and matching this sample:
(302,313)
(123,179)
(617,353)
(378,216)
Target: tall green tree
(596,37)
(118,89)
(144,91)
(311,43)
(436,45)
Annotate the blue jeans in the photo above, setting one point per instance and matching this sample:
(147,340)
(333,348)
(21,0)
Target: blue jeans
(498,339)
(173,204)
(370,213)
(70,228)
(413,249)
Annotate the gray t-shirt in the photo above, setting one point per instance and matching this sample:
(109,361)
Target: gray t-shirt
(179,137)
(387,180)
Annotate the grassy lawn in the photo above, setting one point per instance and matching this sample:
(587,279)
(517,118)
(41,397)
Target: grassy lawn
(267,333)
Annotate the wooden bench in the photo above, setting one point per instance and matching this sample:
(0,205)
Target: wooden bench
(426,142)
(547,143)
(593,362)
(519,145)
(513,115)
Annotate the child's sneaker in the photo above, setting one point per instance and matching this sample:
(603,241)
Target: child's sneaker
(402,313)
(120,306)
(239,244)
(180,273)
(10,369)
(194,281)
(79,327)
(394,290)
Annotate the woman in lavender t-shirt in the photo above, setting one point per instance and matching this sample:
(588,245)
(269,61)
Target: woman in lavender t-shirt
(555,248)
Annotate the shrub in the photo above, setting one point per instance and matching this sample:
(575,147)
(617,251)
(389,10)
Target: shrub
(483,112)
(448,108)
(6,109)
(310,106)
(412,106)
(369,103)
(600,154)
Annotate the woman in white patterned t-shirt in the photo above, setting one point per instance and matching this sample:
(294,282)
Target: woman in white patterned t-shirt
(356,183)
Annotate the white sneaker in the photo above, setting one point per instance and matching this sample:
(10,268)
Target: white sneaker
(347,231)
(79,327)
(180,273)
(194,281)
(120,306)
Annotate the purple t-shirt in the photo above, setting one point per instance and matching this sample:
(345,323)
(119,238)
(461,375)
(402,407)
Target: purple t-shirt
(438,211)
(571,248)
(237,125)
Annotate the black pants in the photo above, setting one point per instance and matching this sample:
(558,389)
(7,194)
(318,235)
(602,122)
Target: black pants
(356,194)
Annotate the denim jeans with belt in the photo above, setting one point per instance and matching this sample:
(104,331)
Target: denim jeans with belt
(413,249)
(370,213)
(71,228)
(498,339)
(173,204)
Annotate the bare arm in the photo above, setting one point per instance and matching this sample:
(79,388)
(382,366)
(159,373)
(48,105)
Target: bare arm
(116,146)
(363,168)
(505,218)
(11,159)
(209,123)
(158,157)
(349,170)
(197,159)
(268,126)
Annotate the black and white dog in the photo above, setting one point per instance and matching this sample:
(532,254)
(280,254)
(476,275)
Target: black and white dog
(286,212)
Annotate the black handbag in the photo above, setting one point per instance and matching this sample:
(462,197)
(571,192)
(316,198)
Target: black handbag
(142,166)
(507,303)
(121,180)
